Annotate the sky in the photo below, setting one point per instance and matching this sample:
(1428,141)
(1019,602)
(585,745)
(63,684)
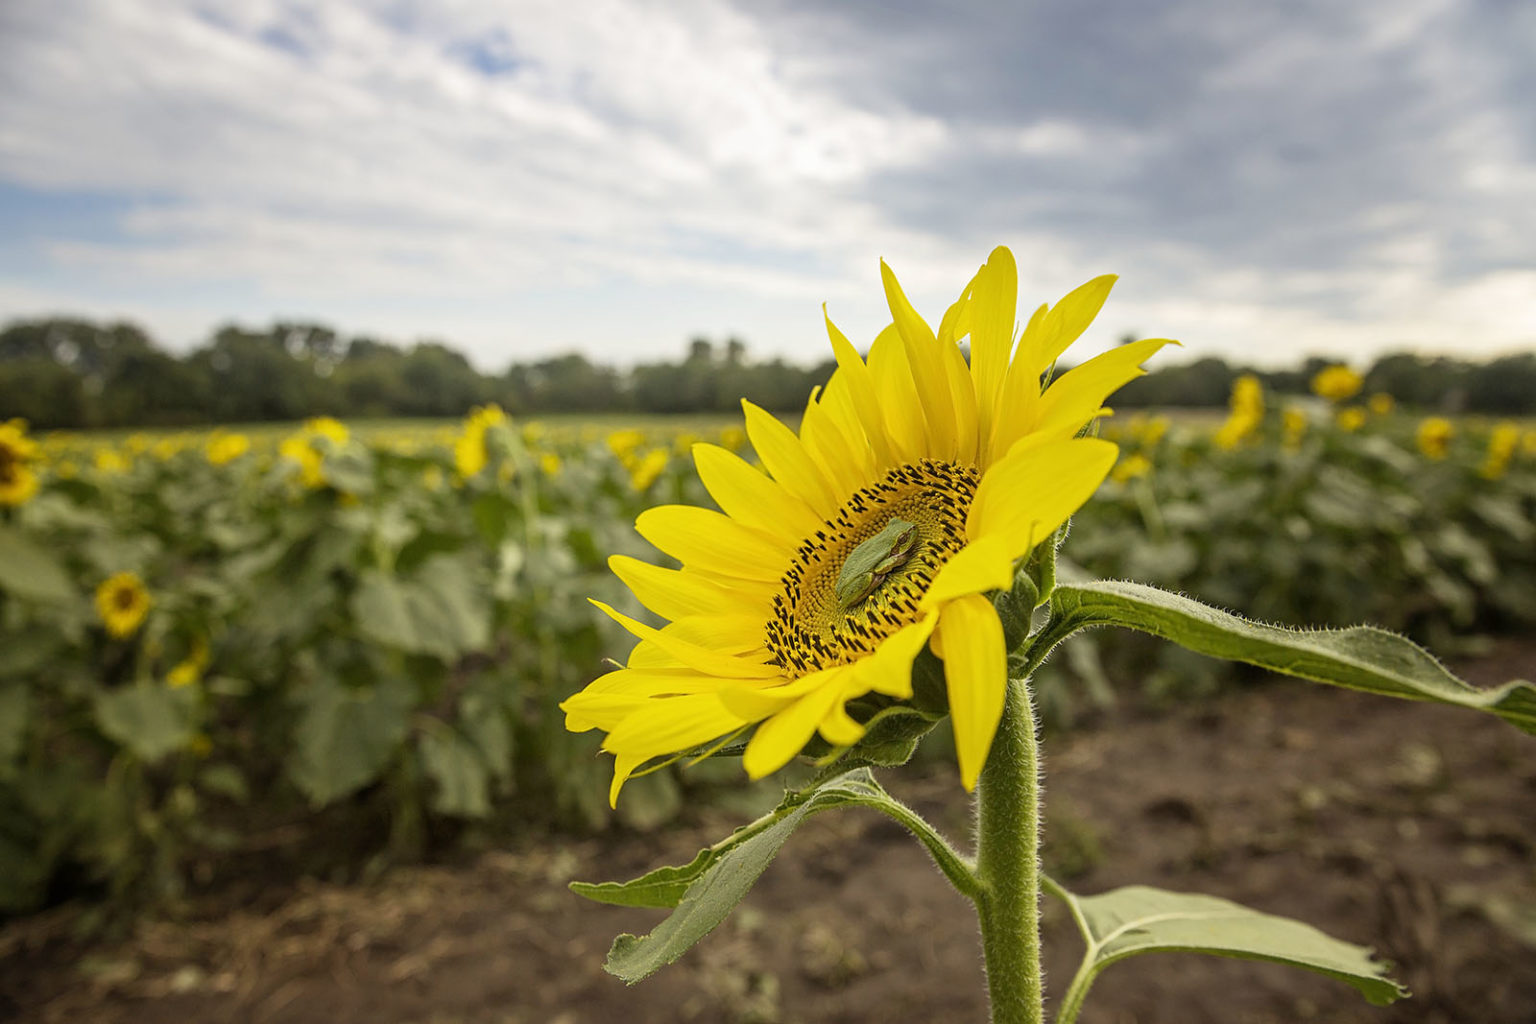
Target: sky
(1269,179)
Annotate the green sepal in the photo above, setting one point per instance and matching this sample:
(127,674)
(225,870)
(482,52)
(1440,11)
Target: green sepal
(1016,608)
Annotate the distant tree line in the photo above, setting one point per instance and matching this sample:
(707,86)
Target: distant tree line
(61,373)
(1502,386)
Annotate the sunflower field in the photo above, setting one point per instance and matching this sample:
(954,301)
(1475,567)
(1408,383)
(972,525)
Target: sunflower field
(316,648)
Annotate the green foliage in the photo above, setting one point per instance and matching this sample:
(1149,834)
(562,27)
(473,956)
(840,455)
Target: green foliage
(362,650)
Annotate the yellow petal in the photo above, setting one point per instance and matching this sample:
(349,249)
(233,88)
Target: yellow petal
(757,699)
(858,454)
(693,655)
(624,765)
(789,463)
(736,635)
(611,698)
(927,368)
(1069,318)
(901,410)
(671,725)
(1026,496)
(861,391)
(982,565)
(1013,415)
(652,683)
(957,318)
(963,395)
(1077,395)
(889,669)
(976,676)
(703,538)
(994,307)
(750,497)
(779,738)
(838,727)
(676,593)
(841,458)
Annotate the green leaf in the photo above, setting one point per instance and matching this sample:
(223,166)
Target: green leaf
(438,611)
(1140,919)
(346,736)
(31,572)
(150,719)
(704,891)
(453,763)
(1359,658)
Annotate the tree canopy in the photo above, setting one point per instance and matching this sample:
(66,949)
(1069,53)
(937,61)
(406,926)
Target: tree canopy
(66,373)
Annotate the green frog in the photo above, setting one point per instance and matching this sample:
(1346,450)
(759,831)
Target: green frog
(872,561)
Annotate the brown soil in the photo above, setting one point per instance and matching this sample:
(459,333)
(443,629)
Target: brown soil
(1407,827)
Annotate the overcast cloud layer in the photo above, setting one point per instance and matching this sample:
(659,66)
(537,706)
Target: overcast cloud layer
(1270,179)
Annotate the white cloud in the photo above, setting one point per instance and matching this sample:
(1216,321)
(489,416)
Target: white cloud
(526,177)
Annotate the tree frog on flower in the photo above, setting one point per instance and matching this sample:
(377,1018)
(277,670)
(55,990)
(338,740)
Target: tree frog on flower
(875,559)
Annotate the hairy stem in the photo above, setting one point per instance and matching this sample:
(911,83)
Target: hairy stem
(1008,864)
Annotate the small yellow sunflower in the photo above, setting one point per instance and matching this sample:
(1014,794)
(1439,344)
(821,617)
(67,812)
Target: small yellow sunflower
(1434,436)
(1131,467)
(1503,441)
(644,470)
(913,486)
(122,601)
(1293,426)
(469,450)
(1337,383)
(222,449)
(1351,418)
(1246,415)
(18,481)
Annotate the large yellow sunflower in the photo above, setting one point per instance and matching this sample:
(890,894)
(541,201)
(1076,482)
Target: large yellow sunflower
(914,485)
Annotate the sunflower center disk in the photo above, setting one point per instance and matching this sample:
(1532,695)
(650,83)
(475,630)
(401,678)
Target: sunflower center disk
(812,627)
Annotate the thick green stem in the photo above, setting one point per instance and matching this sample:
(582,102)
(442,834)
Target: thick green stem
(1008,864)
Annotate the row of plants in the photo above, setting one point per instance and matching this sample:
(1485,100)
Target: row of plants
(220,651)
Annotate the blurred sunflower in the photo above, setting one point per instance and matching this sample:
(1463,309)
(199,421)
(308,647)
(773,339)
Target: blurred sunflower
(469,448)
(1246,413)
(1337,383)
(914,485)
(643,471)
(222,448)
(1434,436)
(18,481)
(122,601)
(1351,418)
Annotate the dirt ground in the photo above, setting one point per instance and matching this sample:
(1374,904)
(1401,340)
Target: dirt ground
(1406,827)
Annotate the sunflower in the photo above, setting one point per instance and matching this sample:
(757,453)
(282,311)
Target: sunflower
(18,481)
(222,448)
(1434,436)
(913,486)
(1337,383)
(469,448)
(122,601)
